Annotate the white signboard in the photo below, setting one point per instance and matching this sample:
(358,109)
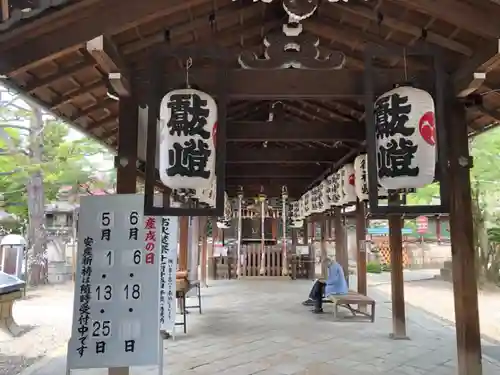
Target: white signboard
(116,305)
(168,232)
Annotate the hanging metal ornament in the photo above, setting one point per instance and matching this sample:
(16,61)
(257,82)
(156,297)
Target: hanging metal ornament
(299,10)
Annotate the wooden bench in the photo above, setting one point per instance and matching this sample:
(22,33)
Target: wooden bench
(352,298)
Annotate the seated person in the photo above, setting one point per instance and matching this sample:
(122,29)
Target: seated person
(334,284)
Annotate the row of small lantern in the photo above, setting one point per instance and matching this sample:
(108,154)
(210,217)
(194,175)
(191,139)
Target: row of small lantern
(340,189)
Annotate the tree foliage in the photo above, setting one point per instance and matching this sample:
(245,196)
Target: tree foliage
(485,186)
(65,161)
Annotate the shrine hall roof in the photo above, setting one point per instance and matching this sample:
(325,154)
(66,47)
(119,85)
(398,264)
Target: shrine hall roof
(44,53)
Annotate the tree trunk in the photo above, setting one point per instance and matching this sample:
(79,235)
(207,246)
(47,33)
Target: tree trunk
(36,203)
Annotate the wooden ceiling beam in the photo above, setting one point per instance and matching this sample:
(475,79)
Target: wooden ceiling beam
(298,83)
(272,191)
(268,181)
(281,155)
(263,170)
(458,13)
(472,74)
(348,35)
(283,131)
(69,30)
(330,113)
(406,28)
(111,62)
(180,34)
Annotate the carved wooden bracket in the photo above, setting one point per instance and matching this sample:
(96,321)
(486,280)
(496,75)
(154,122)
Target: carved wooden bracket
(292,50)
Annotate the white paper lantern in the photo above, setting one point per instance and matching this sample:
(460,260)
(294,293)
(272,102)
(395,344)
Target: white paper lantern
(302,214)
(406,138)
(295,221)
(325,202)
(307,203)
(348,192)
(188,125)
(316,200)
(361,179)
(334,189)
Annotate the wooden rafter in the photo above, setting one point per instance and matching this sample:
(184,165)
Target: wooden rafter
(406,28)
(458,13)
(106,16)
(110,61)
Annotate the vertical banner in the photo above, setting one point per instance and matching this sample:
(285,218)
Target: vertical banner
(168,232)
(193,249)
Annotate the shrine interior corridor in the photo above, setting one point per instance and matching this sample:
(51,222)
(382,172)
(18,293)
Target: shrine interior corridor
(259,327)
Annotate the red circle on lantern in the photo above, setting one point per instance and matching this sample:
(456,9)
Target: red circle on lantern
(427,128)
(351,180)
(214,133)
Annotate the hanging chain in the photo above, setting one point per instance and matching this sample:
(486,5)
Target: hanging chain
(405,65)
(189,64)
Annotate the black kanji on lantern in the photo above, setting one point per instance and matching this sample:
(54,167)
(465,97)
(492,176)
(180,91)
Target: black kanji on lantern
(188,115)
(391,116)
(190,159)
(395,158)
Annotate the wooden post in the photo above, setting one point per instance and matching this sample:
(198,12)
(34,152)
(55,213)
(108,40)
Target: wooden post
(361,247)
(397,281)
(211,259)
(340,246)
(311,229)
(462,245)
(183,242)
(5,10)
(203,257)
(323,256)
(126,174)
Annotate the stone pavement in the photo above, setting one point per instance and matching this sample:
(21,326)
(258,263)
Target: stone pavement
(260,327)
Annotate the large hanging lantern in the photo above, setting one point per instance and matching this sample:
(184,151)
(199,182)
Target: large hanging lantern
(361,178)
(188,125)
(405,138)
(347,180)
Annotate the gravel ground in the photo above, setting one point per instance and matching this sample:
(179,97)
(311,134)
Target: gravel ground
(46,314)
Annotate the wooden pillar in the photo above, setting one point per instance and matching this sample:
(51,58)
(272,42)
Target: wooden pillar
(126,174)
(294,240)
(203,256)
(274,228)
(361,247)
(438,229)
(311,230)
(183,242)
(323,254)
(211,259)
(305,233)
(462,245)
(397,281)
(340,246)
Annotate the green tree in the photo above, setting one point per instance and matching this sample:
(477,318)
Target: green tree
(485,185)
